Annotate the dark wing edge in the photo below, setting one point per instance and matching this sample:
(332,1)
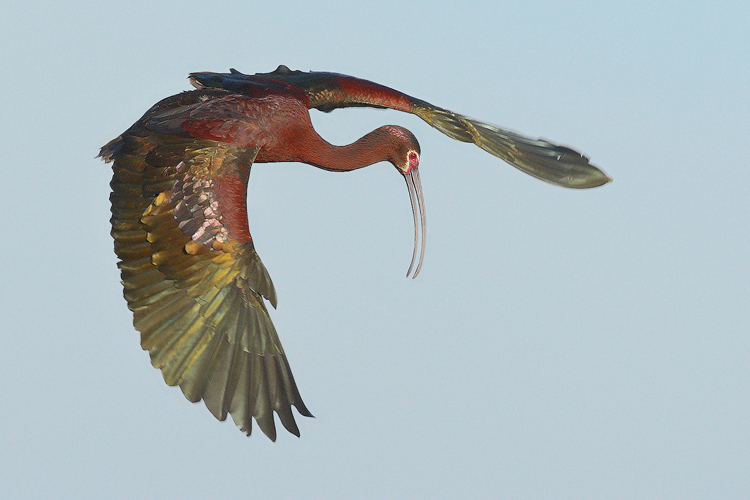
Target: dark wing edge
(199,310)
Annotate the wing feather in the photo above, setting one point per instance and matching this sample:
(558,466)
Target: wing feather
(544,160)
(195,290)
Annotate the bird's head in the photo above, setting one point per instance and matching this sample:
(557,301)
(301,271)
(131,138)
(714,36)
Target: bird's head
(404,148)
(405,157)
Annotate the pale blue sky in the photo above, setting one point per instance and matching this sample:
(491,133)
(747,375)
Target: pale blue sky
(557,344)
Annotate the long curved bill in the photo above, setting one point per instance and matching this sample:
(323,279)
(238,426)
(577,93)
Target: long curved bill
(417,208)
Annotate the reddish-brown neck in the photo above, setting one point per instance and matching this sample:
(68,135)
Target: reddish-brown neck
(379,145)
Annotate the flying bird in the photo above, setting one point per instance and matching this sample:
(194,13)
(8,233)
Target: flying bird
(190,272)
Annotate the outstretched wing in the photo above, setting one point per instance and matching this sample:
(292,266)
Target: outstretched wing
(542,159)
(190,271)
(539,158)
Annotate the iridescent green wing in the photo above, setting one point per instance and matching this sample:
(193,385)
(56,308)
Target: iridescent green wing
(539,158)
(193,279)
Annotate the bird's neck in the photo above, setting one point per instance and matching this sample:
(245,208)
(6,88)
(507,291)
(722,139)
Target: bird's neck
(374,147)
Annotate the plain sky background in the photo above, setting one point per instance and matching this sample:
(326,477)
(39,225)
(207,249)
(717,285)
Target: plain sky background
(557,344)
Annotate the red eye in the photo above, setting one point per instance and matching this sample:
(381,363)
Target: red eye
(413,160)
